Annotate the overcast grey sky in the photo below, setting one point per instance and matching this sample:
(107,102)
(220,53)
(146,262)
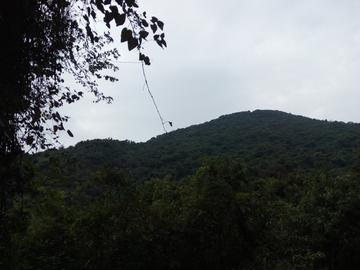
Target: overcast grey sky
(301,57)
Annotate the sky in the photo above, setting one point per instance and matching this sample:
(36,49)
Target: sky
(223,57)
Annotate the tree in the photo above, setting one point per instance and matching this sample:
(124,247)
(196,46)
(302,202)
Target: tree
(219,212)
(40,41)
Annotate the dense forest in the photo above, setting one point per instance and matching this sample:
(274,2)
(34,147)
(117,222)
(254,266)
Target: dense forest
(270,144)
(250,190)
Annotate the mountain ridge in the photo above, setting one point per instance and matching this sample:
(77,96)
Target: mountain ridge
(271,143)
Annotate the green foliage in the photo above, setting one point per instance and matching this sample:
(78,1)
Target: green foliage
(270,143)
(217,219)
(218,216)
(41,41)
(326,221)
(312,221)
(228,214)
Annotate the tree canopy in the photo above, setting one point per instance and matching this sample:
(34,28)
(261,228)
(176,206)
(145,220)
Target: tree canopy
(41,40)
(218,219)
(270,143)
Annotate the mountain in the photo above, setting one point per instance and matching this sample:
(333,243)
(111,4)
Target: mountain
(270,144)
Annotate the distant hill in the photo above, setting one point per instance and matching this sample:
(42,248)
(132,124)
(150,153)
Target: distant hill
(270,143)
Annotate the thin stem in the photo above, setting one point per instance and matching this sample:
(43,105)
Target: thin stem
(148,88)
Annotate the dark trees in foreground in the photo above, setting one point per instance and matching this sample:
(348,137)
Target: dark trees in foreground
(215,220)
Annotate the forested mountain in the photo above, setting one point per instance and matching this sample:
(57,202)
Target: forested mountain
(278,192)
(269,143)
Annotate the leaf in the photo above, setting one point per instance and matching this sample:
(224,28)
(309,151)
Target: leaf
(57,116)
(89,33)
(153,27)
(170,123)
(29,140)
(114,10)
(132,43)
(147,61)
(70,133)
(120,19)
(126,34)
(144,23)
(160,40)
(130,3)
(143,34)
(100,6)
(36,116)
(144,58)
(93,14)
(108,17)
(107,2)
(154,19)
(161,25)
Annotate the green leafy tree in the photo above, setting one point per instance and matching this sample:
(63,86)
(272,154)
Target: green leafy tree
(328,220)
(218,215)
(41,40)
(312,221)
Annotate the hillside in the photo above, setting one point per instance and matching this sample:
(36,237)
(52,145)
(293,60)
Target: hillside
(224,215)
(270,144)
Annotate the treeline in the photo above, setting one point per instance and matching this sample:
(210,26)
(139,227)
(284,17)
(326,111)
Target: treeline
(271,144)
(218,218)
